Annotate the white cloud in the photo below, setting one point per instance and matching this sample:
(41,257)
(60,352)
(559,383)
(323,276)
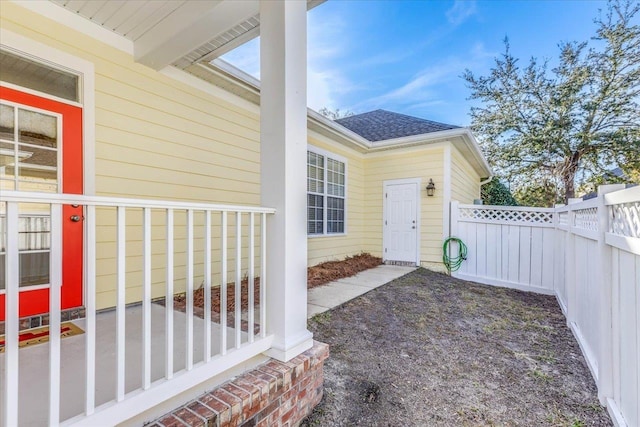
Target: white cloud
(461,11)
(424,89)
(420,87)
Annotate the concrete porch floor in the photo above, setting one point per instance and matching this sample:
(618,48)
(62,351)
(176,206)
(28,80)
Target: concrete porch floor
(34,368)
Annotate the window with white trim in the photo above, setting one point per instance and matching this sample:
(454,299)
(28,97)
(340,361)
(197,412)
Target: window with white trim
(326,182)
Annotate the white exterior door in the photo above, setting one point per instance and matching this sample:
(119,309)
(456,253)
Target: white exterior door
(401,221)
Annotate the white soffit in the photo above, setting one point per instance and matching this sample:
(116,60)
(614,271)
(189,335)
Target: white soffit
(175,32)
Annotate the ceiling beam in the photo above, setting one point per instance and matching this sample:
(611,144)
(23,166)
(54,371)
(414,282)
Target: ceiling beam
(245,37)
(189,27)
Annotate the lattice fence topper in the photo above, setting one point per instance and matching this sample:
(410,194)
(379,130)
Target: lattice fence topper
(624,219)
(489,214)
(586,219)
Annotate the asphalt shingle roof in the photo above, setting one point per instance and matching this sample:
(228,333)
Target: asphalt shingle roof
(380,125)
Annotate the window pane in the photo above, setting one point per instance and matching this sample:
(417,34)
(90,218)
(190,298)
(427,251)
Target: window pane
(37,128)
(315,214)
(34,242)
(315,173)
(7,122)
(335,177)
(335,215)
(33,75)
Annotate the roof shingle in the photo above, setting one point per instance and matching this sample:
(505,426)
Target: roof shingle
(380,125)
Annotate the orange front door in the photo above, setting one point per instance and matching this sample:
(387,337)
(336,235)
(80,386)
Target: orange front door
(41,150)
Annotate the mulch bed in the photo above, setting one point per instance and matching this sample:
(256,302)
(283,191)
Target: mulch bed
(316,276)
(326,272)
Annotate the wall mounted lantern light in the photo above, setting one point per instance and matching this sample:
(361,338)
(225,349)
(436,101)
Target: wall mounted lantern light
(431,188)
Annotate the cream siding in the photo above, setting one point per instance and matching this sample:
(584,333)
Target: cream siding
(465,181)
(159,138)
(423,163)
(325,248)
(155,138)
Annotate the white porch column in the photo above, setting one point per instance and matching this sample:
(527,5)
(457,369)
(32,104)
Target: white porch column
(283,159)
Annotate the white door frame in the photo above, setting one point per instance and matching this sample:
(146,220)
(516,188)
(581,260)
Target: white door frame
(85,70)
(418,182)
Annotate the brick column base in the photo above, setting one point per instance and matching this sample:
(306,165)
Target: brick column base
(274,394)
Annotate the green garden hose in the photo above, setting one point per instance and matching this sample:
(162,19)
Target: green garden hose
(453,263)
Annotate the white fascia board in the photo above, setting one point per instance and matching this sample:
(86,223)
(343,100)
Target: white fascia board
(335,128)
(423,138)
(236,72)
(72,20)
(189,27)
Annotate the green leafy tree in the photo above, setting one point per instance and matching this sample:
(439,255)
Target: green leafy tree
(565,124)
(542,195)
(334,114)
(496,193)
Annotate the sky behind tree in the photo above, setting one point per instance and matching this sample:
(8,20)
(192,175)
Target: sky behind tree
(408,56)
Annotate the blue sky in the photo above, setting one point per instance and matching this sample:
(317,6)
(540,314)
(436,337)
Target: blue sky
(407,56)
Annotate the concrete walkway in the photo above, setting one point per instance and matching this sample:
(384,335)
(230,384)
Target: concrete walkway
(325,297)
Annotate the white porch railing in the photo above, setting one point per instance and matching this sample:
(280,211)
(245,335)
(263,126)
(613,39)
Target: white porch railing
(239,233)
(588,255)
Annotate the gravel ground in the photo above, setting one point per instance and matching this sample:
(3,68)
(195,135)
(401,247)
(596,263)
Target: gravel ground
(430,350)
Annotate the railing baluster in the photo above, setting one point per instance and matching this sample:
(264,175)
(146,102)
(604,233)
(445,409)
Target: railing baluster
(90,307)
(263,276)
(12,278)
(207,286)
(189,323)
(12,238)
(120,303)
(168,366)
(55,283)
(146,299)
(223,285)
(238,293)
(250,278)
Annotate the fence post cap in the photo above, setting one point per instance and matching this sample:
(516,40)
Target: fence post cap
(609,188)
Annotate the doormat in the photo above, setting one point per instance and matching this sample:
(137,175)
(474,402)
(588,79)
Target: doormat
(41,335)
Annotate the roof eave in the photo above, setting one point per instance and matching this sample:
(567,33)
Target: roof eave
(332,129)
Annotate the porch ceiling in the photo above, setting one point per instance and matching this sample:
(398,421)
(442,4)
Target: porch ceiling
(175,32)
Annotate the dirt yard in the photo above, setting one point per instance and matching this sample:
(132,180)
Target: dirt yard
(429,350)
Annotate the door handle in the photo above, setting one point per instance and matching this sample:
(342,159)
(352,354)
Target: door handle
(413,226)
(76,218)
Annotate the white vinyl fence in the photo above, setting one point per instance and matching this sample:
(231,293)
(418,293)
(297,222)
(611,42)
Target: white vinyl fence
(588,255)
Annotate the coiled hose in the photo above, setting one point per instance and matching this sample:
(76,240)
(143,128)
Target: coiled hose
(453,263)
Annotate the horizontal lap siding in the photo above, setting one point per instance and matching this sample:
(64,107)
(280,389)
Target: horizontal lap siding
(422,163)
(156,138)
(326,248)
(465,181)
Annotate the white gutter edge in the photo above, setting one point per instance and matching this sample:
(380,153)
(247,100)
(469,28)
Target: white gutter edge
(236,72)
(486,181)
